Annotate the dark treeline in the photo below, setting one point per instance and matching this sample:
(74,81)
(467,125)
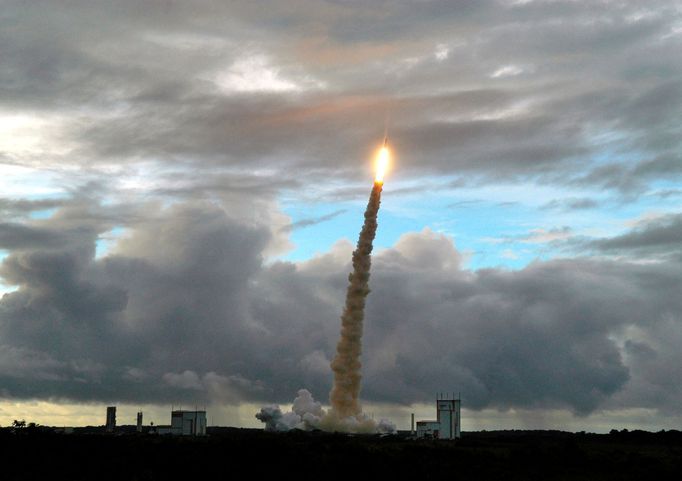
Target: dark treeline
(40,453)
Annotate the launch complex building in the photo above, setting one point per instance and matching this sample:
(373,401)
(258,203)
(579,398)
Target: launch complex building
(447,424)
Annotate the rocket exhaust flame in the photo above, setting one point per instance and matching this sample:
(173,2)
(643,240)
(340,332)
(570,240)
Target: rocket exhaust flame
(382,163)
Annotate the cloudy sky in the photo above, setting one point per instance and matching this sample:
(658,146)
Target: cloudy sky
(181,184)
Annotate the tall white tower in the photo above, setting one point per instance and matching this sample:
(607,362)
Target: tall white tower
(448,417)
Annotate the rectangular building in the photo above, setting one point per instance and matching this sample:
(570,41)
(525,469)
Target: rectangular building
(428,429)
(448,416)
(139,422)
(448,420)
(188,423)
(111,419)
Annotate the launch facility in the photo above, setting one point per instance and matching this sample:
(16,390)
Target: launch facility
(185,423)
(448,421)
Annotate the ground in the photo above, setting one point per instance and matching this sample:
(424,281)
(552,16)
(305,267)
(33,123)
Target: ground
(227,453)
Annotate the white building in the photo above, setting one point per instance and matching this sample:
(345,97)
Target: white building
(447,424)
(428,429)
(449,418)
(185,423)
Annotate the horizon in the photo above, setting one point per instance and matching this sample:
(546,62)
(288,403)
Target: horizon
(182,186)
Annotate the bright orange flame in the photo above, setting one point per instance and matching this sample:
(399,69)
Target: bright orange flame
(382,163)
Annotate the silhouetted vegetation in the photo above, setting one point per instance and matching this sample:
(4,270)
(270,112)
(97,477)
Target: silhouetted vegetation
(88,453)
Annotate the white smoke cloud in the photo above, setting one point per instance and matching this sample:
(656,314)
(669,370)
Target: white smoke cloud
(275,420)
(307,414)
(305,404)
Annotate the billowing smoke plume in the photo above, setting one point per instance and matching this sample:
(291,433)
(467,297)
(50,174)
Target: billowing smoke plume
(345,414)
(346,365)
(307,414)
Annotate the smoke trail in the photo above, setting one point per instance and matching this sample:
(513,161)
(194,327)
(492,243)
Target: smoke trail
(346,365)
(345,414)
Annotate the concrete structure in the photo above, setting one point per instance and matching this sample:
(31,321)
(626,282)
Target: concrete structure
(448,416)
(139,422)
(448,420)
(428,429)
(111,419)
(185,423)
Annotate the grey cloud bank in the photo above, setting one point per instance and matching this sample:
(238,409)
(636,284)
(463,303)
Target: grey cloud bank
(661,235)
(185,308)
(536,90)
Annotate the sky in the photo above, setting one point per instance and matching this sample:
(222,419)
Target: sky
(182,183)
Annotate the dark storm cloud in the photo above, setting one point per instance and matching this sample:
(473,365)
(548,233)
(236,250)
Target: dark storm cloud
(537,91)
(659,236)
(186,309)
(20,207)
(125,311)
(15,236)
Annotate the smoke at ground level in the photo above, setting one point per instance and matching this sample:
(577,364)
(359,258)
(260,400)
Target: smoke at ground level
(307,414)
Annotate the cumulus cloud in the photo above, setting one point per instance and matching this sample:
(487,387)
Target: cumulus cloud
(185,308)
